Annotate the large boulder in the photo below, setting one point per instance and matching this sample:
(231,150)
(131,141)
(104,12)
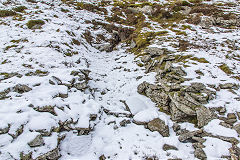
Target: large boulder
(204,115)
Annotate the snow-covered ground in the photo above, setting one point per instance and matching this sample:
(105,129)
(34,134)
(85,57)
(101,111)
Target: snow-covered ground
(58,112)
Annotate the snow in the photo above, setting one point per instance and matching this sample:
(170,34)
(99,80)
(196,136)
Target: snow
(215,148)
(113,74)
(216,129)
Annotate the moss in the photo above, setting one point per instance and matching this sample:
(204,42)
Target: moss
(6,13)
(184,27)
(8,47)
(200,60)
(225,69)
(19,40)
(19,8)
(90,7)
(178,32)
(37,73)
(64,10)
(182,58)
(32,23)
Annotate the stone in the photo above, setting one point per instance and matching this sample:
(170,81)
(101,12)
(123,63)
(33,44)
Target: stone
(160,126)
(195,87)
(187,137)
(55,81)
(154,51)
(200,154)
(124,122)
(80,86)
(167,147)
(237,128)
(206,22)
(229,86)
(198,145)
(176,114)
(102,157)
(37,141)
(4,130)
(51,155)
(146,58)
(185,10)
(204,116)
(176,127)
(182,105)
(231,116)
(21,88)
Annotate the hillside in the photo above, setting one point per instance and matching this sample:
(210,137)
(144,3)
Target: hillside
(119,80)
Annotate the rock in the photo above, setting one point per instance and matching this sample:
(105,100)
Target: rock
(160,126)
(185,10)
(154,51)
(199,139)
(237,128)
(231,116)
(124,122)
(195,87)
(167,147)
(187,137)
(102,157)
(51,155)
(234,152)
(133,44)
(4,130)
(21,88)
(204,115)
(146,58)
(206,22)
(176,114)
(181,105)
(36,142)
(81,86)
(198,145)
(229,86)
(142,87)
(146,9)
(176,127)
(93,117)
(104,47)
(54,80)
(200,154)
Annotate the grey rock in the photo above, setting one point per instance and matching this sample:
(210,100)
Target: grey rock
(167,147)
(54,80)
(21,88)
(181,106)
(198,145)
(51,155)
(154,51)
(187,137)
(80,86)
(231,116)
(237,128)
(160,126)
(200,154)
(133,44)
(36,142)
(4,130)
(176,127)
(124,122)
(176,114)
(195,87)
(206,22)
(204,116)
(199,139)
(146,58)
(185,10)
(229,86)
